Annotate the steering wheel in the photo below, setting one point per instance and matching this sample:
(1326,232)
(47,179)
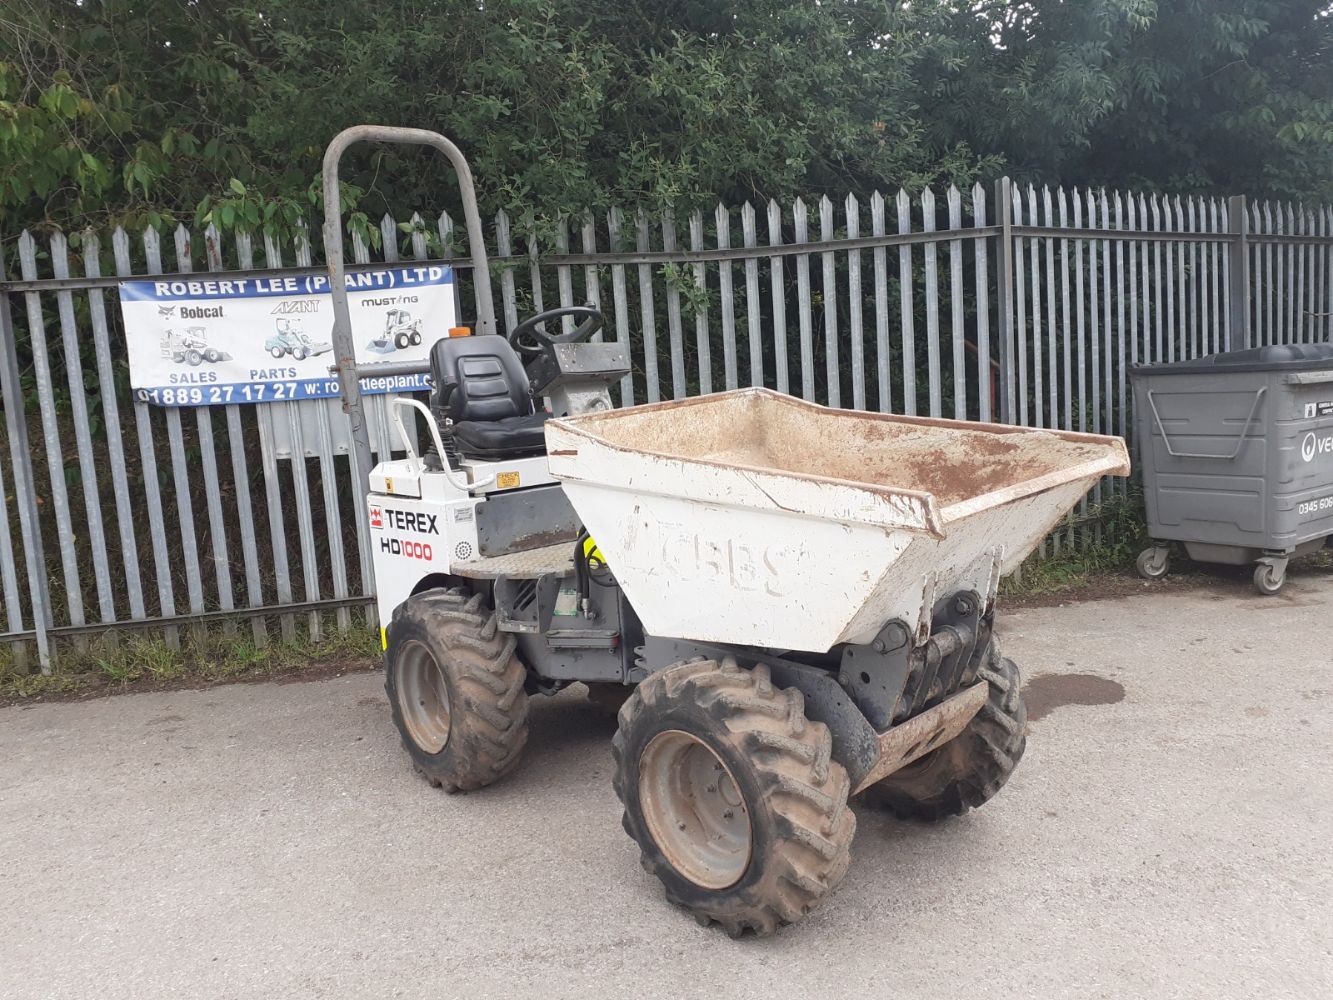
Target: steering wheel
(537,339)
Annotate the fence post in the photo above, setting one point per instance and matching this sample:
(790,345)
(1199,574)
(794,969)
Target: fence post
(1238,262)
(1004,279)
(24,491)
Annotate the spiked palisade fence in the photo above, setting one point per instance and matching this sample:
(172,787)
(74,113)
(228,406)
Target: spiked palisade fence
(1024,306)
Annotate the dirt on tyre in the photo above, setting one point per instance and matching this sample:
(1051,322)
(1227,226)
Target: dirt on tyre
(455,689)
(969,769)
(732,795)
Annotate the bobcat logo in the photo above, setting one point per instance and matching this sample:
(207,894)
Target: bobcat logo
(166,311)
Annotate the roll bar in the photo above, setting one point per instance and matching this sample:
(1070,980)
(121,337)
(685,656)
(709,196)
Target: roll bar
(344,348)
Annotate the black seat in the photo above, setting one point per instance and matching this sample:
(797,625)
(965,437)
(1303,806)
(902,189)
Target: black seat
(481,386)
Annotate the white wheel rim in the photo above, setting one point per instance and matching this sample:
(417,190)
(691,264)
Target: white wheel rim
(695,810)
(423,696)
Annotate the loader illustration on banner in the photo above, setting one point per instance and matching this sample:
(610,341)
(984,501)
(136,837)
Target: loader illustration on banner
(400,332)
(190,348)
(291,338)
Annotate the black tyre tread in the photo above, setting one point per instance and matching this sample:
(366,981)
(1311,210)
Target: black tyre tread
(489,709)
(968,770)
(804,791)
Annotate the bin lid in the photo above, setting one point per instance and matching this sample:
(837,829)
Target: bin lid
(1276,357)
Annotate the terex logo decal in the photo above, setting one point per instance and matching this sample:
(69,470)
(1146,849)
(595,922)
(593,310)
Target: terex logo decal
(407,520)
(1314,445)
(376,518)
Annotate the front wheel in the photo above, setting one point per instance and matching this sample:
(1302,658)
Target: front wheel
(400,341)
(455,688)
(968,770)
(732,795)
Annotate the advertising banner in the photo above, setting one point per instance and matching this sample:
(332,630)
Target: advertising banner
(200,340)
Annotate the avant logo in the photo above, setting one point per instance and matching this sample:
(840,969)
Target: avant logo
(290,306)
(1313,445)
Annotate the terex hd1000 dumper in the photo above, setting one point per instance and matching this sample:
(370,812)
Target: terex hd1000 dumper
(795,604)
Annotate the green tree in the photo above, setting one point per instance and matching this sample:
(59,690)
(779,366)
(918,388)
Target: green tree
(561,105)
(220,109)
(1221,96)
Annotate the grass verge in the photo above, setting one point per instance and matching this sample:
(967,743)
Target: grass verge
(202,657)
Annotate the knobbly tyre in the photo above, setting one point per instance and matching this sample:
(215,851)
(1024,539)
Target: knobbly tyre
(796,604)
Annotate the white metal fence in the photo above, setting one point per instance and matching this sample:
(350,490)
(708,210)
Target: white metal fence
(1006,304)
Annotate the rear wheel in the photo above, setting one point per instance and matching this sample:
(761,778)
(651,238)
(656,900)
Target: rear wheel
(193,358)
(415,338)
(455,688)
(277,352)
(732,795)
(969,769)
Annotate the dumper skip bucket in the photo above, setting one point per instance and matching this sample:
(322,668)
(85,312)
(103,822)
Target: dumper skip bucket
(754,518)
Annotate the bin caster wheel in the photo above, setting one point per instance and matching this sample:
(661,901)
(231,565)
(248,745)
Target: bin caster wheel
(1153,562)
(1269,576)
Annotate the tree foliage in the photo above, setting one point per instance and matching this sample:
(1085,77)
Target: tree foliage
(1209,96)
(220,109)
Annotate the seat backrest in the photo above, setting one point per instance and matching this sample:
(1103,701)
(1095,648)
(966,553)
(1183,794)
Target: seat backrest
(478,378)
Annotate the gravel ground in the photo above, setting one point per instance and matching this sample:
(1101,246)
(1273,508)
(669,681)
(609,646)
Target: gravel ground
(1165,836)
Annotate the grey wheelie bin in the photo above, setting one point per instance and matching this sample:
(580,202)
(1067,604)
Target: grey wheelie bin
(1237,457)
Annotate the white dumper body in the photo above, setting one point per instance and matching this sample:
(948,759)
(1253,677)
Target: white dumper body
(755,518)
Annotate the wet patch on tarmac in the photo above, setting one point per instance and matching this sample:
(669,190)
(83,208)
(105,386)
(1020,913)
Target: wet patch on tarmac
(1048,692)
